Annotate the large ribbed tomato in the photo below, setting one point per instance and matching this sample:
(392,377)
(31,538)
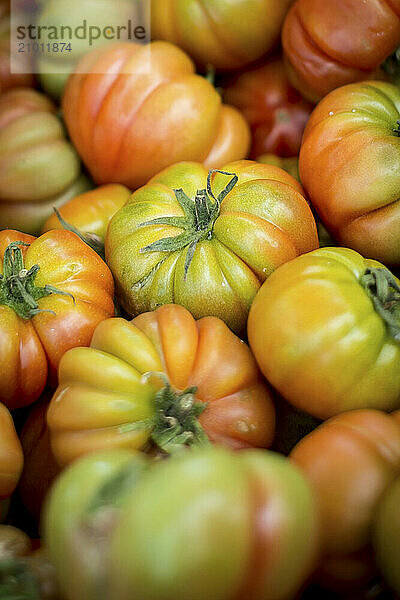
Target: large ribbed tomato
(350,166)
(221,33)
(54,290)
(207,242)
(102,395)
(325,330)
(330,43)
(137,109)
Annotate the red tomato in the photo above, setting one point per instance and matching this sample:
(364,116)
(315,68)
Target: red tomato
(276,112)
(64,290)
(333,42)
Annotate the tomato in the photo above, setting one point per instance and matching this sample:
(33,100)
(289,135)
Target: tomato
(37,163)
(211,388)
(11,459)
(221,33)
(275,111)
(10,79)
(350,460)
(386,535)
(55,66)
(128,121)
(82,508)
(247,523)
(207,242)
(91,212)
(40,466)
(324,331)
(336,42)
(64,290)
(353,137)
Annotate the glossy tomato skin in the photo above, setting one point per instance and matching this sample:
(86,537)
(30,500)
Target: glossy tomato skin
(350,460)
(11,459)
(101,388)
(276,112)
(352,136)
(386,535)
(246,521)
(31,349)
(224,34)
(129,125)
(263,222)
(82,508)
(331,44)
(317,337)
(91,211)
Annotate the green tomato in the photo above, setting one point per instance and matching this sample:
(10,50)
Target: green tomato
(215,524)
(82,508)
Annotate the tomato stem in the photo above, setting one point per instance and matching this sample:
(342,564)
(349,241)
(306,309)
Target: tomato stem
(384,291)
(17,284)
(197,222)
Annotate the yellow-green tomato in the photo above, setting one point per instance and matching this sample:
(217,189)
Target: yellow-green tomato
(82,508)
(386,536)
(214,524)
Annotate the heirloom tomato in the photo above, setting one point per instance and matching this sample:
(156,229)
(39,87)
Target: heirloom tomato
(205,386)
(11,459)
(325,330)
(37,163)
(349,460)
(222,33)
(276,112)
(54,290)
(81,510)
(386,535)
(207,242)
(331,43)
(136,109)
(350,167)
(215,524)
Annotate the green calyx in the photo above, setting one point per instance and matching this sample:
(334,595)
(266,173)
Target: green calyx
(17,582)
(91,239)
(384,291)
(175,422)
(197,223)
(17,284)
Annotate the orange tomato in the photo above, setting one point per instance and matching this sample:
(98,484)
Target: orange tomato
(137,109)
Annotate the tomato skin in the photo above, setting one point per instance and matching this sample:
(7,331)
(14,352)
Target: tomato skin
(101,389)
(127,126)
(335,43)
(386,535)
(351,136)
(11,459)
(318,339)
(91,211)
(263,222)
(276,112)
(225,34)
(30,350)
(223,509)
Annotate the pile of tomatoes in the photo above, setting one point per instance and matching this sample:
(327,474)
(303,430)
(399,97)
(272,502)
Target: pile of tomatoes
(200,306)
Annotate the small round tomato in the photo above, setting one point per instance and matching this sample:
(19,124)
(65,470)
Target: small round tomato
(386,535)
(349,460)
(222,33)
(331,43)
(132,110)
(11,459)
(276,112)
(54,290)
(247,523)
(325,331)
(349,165)
(205,386)
(207,241)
